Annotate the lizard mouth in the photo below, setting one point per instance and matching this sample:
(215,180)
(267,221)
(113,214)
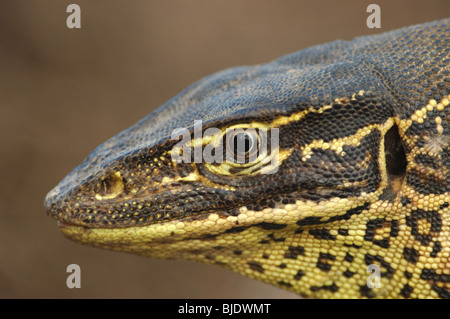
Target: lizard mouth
(140,210)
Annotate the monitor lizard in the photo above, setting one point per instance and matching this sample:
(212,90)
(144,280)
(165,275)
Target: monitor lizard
(350,200)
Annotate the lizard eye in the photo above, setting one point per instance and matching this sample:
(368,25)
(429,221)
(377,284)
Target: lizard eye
(247,149)
(242,145)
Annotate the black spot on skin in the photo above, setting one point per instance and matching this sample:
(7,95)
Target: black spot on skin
(343,232)
(265,256)
(394,228)
(218,247)
(425,185)
(408,275)
(411,255)
(349,257)
(371,259)
(371,226)
(354,211)
(379,223)
(208,236)
(311,220)
(322,234)
(436,249)
(282,266)
(432,217)
(256,266)
(236,229)
(430,274)
(294,251)
(237,252)
(348,273)
(366,292)
(443,205)
(299,275)
(332,288)
(442,292)
(281,239)
(322,263)
(286,284)
(406,291)
(271,226)
(352,245)
(427,160)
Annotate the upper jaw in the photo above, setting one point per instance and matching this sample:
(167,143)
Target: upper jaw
(141,209)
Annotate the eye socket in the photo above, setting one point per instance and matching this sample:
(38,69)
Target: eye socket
(242,145)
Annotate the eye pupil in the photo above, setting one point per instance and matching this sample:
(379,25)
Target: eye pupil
(242,146)
(242,142)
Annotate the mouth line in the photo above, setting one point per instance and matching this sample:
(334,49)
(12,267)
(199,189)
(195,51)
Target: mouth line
(67,221)
(101,218)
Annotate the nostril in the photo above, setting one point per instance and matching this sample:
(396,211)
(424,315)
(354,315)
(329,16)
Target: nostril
(110,186)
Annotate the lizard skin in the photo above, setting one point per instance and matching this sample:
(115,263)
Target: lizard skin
(362,175)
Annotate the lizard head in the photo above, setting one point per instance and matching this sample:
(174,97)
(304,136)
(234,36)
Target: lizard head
(272,155)
(289,172)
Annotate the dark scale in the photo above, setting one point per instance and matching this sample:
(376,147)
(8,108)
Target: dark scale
(432,217)
(322,234)
(388,270)
(276,239)
(437,247)
(271,226)
(380,223)
(348,273)
(367,292)
(256,266)
(333,288)
(411,255)
(294,251)
(283,283)
(348,257)
(406,291)
(299,275)
(323,263)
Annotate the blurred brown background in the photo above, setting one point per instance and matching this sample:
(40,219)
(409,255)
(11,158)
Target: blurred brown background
(64,91)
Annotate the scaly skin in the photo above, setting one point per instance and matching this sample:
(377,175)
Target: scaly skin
(362,172)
